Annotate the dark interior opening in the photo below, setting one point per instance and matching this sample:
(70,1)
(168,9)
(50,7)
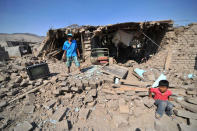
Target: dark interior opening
(141,48)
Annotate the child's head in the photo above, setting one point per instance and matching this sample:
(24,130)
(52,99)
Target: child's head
(163,85)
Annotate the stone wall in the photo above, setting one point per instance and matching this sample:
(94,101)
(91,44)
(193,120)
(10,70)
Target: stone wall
(184,50)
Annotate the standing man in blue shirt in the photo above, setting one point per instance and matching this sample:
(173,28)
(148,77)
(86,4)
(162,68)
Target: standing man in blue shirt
(70,52)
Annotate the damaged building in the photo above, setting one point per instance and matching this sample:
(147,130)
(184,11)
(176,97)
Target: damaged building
(37,93)
(137,41)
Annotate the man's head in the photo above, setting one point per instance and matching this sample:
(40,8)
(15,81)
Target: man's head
(163,85)
(69,37)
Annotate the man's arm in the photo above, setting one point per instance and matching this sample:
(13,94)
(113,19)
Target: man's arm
(150,93)
(78,52)
(170,99)
(64,55)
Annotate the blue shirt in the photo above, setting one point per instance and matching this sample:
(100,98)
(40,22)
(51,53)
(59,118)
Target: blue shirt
(71,49)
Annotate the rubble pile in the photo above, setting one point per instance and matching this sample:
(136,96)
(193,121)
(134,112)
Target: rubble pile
(112,96)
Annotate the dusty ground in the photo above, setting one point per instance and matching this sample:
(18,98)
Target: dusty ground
(64,102)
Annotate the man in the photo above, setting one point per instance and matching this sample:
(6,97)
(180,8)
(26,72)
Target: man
(70,52)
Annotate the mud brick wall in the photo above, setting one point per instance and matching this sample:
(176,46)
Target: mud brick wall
(184,50)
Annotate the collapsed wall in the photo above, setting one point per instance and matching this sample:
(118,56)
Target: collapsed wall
(125,41)
(156,43)
(184,49)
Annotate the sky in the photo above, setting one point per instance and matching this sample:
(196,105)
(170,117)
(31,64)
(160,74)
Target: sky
(38,16)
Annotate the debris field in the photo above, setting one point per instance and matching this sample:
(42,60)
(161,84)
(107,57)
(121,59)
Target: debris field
(111,96)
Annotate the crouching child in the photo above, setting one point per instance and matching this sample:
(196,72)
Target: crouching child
(162,99)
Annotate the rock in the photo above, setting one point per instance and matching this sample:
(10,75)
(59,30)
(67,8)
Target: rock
(88,99)
(31,98)
(24,83)
(192,91)
(75,89)
(88,88)
(3,103)
(24,126)
(64,83)
(192,100)
(130,93)
(62,126)
(54,79)
(85,83)
(185,127)
(39,82)
(84,114)
(124,109)
(65,89)
(185,114)
(59,114)
(193,122)
(190,107)
(93,84)
(149,102)
(28,109)
(120,120)
(92,92)
(18,79)
(50,104)
(142,93)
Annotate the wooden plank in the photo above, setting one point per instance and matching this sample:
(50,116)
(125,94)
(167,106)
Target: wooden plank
(131,88)
(137,83)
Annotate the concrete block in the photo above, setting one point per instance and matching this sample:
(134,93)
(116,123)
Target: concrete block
(13,51)
(185,127)
(93,84)
(24,126)
(185,114)
(85,83)
(59,114)
(50,104)
(28,109)
(84,114)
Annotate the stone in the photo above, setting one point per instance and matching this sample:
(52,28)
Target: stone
(185,114)
(142,94)
(28,109)
(185,127)
(31,98)
(93,84)
(120,120)
(192,100)
(54,79)
(85,83)
(92,92)
(84,114)
(3,103)
(24,83)
(88,99)
(130,93)
(124,109)
(59,114)
(188,106)
(88,88)
(192,122)
(75,89)
(62,126)
(24,126)
(79,85)
(50,104)
(119,71)
(148,102)
(64,83)
(39,82)
(18,79)
(65,89)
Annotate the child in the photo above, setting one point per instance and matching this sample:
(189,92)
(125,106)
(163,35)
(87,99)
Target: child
(162,99)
